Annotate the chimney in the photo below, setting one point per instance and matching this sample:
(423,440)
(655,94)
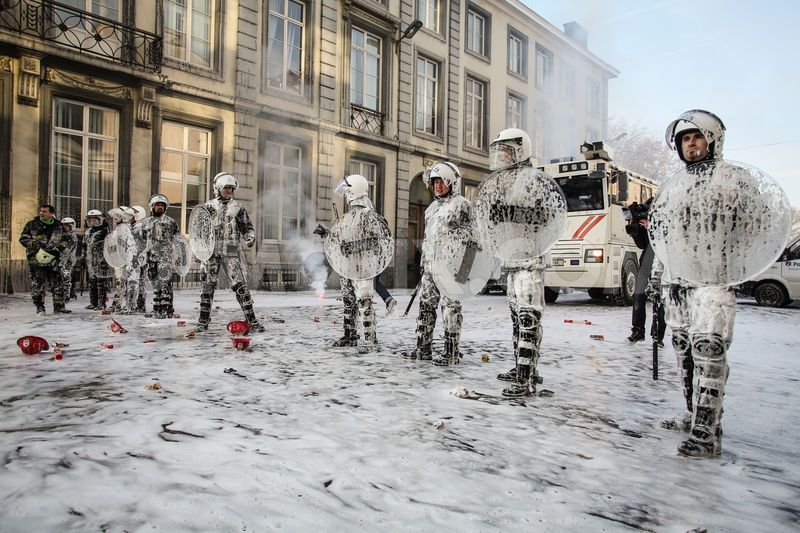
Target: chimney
(577,33)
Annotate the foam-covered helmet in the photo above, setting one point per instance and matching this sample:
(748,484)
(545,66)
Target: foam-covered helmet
(511,147)
(128,214)
(68,220)
(352,187)
(94,213)
(448,172)
(115,213)
(706,122)
(222,180)
(158,199)
(43,257)
(139,213)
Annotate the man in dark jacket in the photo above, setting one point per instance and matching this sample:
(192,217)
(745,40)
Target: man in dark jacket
(41,238)
(636,215)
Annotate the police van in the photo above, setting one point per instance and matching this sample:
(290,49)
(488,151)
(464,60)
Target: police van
(779,285)
(595,253)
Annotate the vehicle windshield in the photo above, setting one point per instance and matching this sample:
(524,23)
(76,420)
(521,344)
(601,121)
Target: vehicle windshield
(584,193)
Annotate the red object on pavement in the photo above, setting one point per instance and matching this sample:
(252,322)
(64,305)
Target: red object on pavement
(241,343)
(105,312)
(107,345)
(181,323)
(570,321)
(32,345)
(238,327)
(58,356)
(597,337)
(316,319)
(116,327)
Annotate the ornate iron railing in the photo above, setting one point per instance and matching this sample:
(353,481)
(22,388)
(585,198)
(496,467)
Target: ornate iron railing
(366,119)
(83,31)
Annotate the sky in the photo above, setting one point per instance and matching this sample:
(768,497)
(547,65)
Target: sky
(736,59)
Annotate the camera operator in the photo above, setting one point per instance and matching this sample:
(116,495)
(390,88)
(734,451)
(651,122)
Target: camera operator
(636,215)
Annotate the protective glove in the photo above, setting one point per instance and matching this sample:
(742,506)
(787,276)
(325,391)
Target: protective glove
(250,240)
(320,230)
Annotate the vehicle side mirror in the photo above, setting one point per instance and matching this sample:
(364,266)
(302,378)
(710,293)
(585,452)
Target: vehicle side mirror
(622,183)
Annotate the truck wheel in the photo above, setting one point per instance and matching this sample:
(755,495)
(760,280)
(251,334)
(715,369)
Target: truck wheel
(550,295)
(629,271)
(771,294)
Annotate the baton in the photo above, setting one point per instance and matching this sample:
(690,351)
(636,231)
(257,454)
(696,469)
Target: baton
(413,295)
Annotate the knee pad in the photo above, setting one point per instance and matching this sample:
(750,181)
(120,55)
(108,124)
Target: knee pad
(529,318)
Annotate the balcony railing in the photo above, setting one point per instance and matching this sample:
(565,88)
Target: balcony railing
(82,31)
(366,119)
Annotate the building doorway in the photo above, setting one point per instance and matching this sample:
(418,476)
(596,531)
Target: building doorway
(419,198)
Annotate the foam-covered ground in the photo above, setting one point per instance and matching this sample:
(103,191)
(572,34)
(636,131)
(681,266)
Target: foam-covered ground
(294,435)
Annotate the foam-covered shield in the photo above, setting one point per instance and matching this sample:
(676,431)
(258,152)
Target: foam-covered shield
(181,255)
(520,212)
(460,267)
(115,246)
(359,246)
(201,233)
(719,223)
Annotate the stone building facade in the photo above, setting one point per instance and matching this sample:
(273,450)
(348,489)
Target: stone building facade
(107,102)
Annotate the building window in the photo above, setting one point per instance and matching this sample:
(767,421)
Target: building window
(471,191)
(84,158)
(517,53)
(427,101)
(476,32)
(188,31)
(567,82)
(515,111)
(285,37)
(369,170)
(429,12)
(593,98)
(365,69)
(104,8)
(544,67)
(281,189)
(475,116)
(185,166)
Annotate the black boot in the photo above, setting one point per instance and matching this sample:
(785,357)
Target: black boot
(523,386)
(451,355)
(349,339)
(419,354)
(637,334)
(511,375)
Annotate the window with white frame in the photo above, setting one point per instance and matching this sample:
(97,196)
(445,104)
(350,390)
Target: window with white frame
(185,166)
(427,96)
(476,32)
(109,9)
(544,66)
(281,192)
(366,57)
(286,21)
(593,97)
(475,116)
(515,111)
(517,53)
(471,191)
(429,12)
(368,169)
(189,31)
(84,148)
